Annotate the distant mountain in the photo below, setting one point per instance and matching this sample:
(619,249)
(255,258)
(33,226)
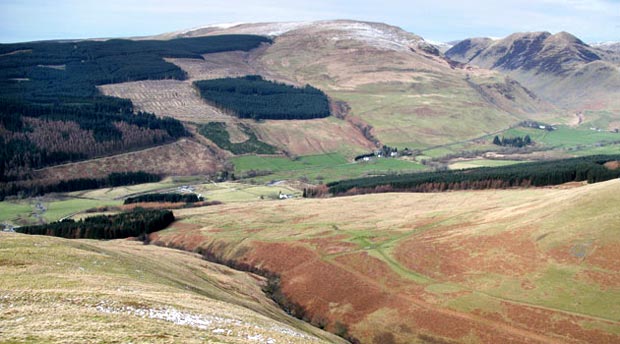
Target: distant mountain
(441,46)
(559,67)
(609,46)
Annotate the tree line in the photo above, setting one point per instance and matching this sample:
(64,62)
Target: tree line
(541,173)
(254,97)
(164,197)
(136,223)
(115,179)
(517,141)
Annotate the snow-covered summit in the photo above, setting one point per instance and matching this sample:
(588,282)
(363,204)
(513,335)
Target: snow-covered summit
(377,34)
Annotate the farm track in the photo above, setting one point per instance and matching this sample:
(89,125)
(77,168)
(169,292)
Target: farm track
(526,334)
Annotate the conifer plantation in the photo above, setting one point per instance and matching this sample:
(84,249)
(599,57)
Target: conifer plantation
(254,97)
(131,224)
(543,173)
(164,197)
(51,111)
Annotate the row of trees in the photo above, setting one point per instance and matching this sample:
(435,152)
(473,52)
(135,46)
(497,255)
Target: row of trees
(513,141)
(164,197)
(131,224)
(543,173)
(28,189)
(253,97)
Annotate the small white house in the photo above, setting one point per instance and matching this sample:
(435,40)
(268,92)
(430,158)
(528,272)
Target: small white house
(284,196)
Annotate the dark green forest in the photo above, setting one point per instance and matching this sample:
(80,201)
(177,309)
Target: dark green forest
(216,132)
(542,173)
(52,84)
(164,197)
(131,224)
(254,97)
(28,189)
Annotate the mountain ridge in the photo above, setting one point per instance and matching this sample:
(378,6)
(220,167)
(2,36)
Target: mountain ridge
(560,67)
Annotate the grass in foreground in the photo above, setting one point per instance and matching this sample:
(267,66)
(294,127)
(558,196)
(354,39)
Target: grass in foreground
(54,290)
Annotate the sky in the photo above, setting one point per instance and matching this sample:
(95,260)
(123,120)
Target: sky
(437,20)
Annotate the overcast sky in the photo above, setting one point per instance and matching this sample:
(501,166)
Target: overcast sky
(26,20)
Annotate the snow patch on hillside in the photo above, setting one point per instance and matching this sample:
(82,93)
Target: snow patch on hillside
(379,36)
(212,26)
(610,45)
(605,44)
(218,325)
(442,46)
(277,29)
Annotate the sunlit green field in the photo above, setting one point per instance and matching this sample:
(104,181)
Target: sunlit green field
(482,163)
(566,138)
(564,141)
(238,192)
(54,207)
(318,168)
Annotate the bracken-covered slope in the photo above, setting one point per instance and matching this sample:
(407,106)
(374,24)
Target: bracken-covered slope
(518,266)
(392,80)
(559,67)
(56,290)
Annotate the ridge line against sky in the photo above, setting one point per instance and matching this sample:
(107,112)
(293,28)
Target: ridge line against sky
(28,20)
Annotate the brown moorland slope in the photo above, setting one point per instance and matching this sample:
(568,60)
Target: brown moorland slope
(521,266)
(184,157)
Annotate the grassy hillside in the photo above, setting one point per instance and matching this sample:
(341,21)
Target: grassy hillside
(409,96)
(523,266)
(55,290)
(399,90)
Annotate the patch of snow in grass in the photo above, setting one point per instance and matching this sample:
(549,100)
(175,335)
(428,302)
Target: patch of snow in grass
(203,322)
(216,26)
